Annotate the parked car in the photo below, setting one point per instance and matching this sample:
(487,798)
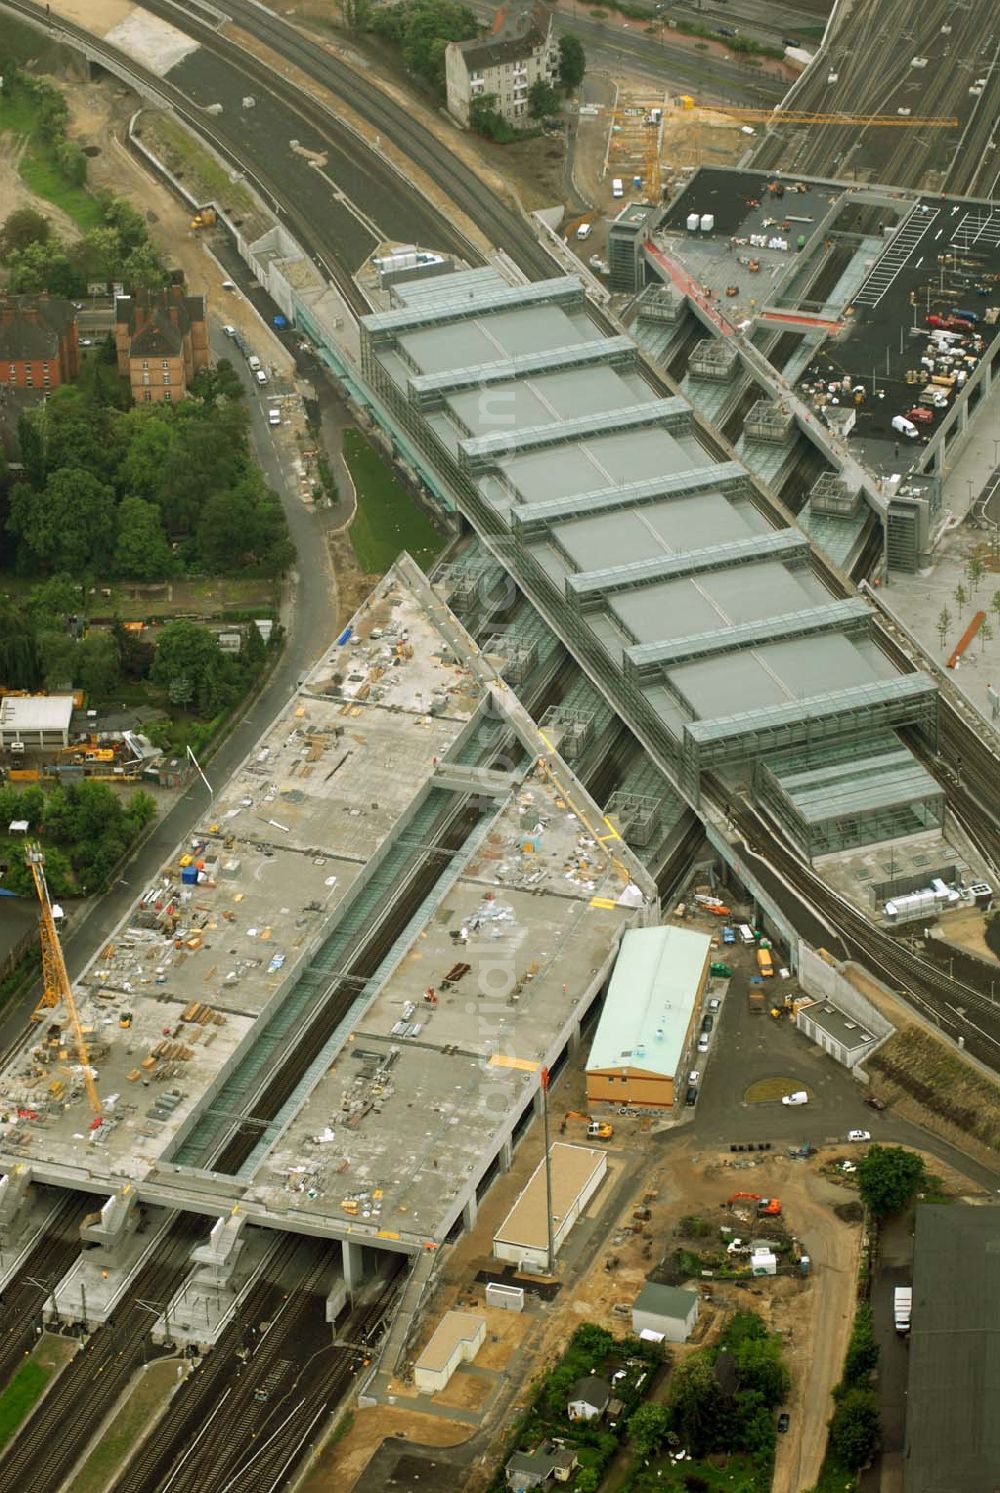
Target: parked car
(274,417)
(874,1102)
(707,1023)
(703,1042)
(260,376)
(720,970)
(229,331)
(694,1076)
(715,1004)
(783,1420)
(690,1097)
(921,415)
(859,1135)
(729,935)
(798,1097)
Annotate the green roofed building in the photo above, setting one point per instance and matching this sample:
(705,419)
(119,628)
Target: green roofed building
(644,1038)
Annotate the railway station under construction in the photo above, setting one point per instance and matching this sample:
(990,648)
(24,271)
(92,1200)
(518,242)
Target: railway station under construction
(402,883)
(736,653)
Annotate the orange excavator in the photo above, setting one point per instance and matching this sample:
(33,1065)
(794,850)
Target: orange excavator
(766,1207)
(596,1129)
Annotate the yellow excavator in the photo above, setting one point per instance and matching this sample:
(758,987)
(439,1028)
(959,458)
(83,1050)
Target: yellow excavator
(596,1129)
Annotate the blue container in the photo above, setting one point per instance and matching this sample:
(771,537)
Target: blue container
(189,875)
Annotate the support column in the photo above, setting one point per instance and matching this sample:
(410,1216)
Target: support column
(574,1040)
(505,1159)
(353,1263)
(536,1103)
(470,1212)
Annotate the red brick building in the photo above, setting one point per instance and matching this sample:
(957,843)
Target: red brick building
(161,338)
(38,342)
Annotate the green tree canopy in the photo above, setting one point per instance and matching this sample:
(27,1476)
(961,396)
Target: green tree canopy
(699,1413)
(142,551)
(22,227)
(647,1429)
(188,653)
(888,1177)
(422,30)
(542,99)
(97,665)
(67,525)
(572,62)
(855,1428)
(243,529)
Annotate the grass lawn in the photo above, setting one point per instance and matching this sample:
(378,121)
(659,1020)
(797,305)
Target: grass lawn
(144,1406)
(771,1090)
(735,1474)
(25,1389)
(387,520)
(38,169)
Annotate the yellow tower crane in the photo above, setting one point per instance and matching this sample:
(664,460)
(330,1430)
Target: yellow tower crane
(55,978)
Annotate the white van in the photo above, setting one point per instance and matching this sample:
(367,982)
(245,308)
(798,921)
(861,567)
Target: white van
(746,934)
(274,416)
(260,376)
(585,230)
(617,187)
(904,426)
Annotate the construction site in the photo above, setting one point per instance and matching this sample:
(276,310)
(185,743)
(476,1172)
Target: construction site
(402,803)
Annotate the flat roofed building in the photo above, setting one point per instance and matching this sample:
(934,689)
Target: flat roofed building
(35,720)
(456,1339)
(645,1032)
(522,1238)
(836,1032)
(953,1389)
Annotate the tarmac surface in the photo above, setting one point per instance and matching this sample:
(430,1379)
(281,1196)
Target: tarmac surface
(868,68)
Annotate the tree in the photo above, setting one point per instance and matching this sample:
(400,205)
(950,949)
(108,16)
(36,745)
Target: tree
(888,1177)
(943,624)
(188,652)
(244,529)
(961,597)
(21,228)
(995,604)
(855,1428)
(974,572)
(696,1403)
(20,667)
(56,600)
(542,99)
(355,14)
(487,120)
(72,163)
(57,653)
(142,551)
(422,30)
(588,1480)
(985,634)
(762,1369)
(143,268)
(97,666)
(647,1430)
(862,1350)
(220,382)
(572,62)
(69,525)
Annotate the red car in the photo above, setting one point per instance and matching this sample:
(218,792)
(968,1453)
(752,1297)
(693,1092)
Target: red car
(921,415)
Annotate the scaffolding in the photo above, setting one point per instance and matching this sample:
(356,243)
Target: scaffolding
(831,495)
(519,655)
(636,816)
(769,421)
(570,728)
(660,303)
(715,359)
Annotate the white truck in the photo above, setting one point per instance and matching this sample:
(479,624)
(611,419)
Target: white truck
(902,1307)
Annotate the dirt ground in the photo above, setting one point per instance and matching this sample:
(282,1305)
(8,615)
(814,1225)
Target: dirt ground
(14,194)
(965,928)
(338,1468)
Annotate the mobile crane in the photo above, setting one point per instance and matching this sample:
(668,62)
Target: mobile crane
(56,985)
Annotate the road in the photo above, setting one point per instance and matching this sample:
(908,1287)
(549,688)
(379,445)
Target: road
(870,54)
(310,613)
(617,46)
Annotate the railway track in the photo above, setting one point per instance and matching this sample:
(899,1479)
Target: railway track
(25,1297)
(47,1448)
(221,1389)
